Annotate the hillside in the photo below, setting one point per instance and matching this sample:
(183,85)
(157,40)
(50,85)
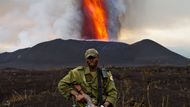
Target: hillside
(64,53)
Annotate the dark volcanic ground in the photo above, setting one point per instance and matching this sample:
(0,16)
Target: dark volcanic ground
(151,86)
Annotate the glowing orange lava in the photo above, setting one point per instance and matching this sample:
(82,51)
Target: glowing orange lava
(97,14)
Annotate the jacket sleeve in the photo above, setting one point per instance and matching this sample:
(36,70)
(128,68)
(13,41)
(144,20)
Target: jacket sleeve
(111,91)
(65,84)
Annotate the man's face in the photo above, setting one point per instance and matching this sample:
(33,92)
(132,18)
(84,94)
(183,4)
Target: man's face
(92,61)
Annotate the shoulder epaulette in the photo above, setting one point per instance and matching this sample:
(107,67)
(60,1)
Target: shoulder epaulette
(79,68)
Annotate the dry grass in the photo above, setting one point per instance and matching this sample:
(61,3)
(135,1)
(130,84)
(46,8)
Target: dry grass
(137,87)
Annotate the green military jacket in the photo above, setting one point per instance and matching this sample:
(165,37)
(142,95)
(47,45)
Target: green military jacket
(89,83)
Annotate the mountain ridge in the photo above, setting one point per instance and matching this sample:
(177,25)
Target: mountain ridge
(61,53)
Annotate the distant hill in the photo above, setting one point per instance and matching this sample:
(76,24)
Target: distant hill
(64,53)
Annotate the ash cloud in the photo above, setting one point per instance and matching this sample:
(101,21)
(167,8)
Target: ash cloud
(116,9)
(41,20)
(157,14)
(24,23)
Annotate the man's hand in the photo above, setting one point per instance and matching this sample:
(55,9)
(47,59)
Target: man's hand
(106,104)
(79,97)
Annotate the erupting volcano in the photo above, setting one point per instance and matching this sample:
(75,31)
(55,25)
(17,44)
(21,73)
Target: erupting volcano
(95,20)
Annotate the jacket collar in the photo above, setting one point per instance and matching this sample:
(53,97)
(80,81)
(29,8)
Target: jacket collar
(87,70)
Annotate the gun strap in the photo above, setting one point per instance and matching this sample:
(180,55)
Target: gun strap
(99,75)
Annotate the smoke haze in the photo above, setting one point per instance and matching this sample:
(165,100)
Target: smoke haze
(26,23)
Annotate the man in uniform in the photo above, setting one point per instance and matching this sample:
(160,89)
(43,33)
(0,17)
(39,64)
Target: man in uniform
(82,83)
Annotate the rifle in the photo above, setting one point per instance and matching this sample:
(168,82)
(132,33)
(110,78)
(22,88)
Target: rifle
(86,97)
(101,74)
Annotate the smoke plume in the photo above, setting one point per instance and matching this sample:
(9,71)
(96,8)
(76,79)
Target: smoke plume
(116,10)
(26,23)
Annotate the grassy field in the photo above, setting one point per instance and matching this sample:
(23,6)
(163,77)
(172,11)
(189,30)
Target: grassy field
(152,86)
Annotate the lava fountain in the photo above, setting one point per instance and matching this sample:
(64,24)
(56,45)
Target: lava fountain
(95,20)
